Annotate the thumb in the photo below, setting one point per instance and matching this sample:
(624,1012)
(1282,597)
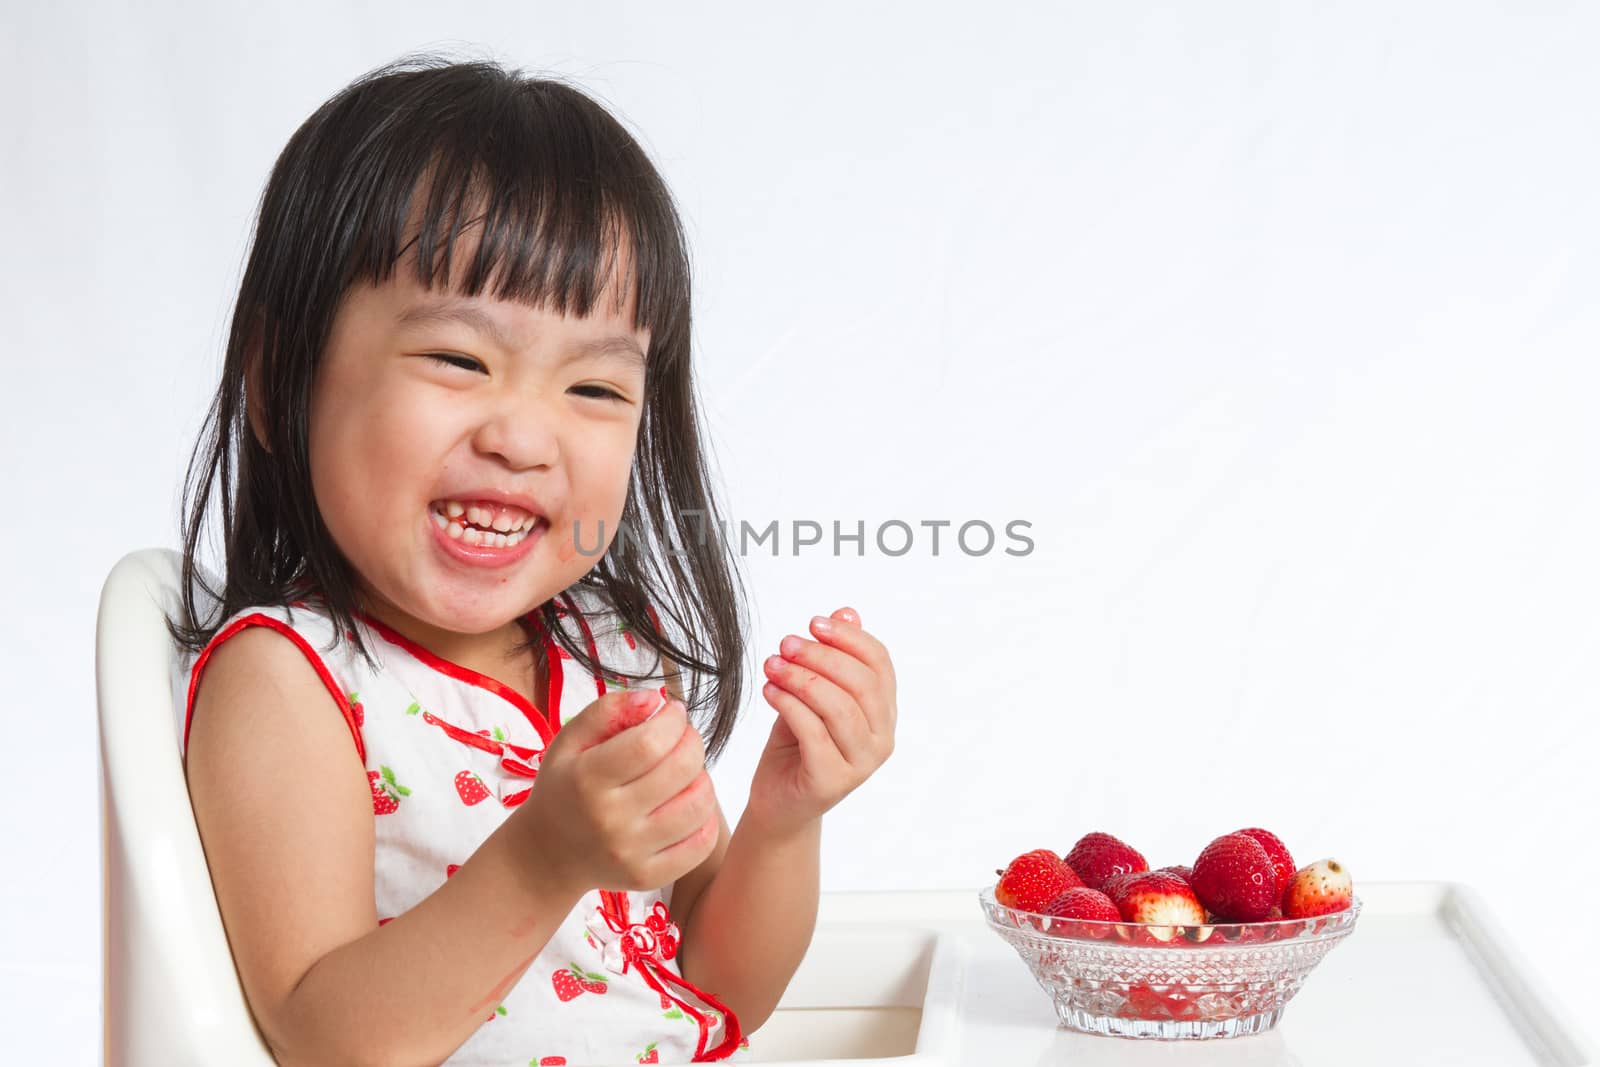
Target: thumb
(612,714)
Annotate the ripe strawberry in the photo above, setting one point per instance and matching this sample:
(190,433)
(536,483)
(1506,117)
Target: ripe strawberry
(471,788)
(1277,852)
(1081,902)
(1181,870)
(1160,898)
(451,869)
(1317,889)
(1097,856)
(386,795)
(552,1061)
(1234,877)
(650,1054)
(1033,880)
(1113,886)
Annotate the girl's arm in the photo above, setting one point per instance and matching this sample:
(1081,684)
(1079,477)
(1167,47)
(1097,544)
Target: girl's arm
(284,810)
(767,896)
(752,923)
(744,939)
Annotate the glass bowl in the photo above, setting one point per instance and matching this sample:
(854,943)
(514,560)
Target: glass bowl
(1168,982)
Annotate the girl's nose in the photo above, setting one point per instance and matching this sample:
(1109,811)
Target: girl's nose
(522,437)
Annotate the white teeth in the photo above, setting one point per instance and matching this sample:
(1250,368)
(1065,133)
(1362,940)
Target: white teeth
(483,518)
(507,533)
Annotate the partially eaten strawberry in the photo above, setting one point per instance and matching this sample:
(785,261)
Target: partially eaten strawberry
(1154,897)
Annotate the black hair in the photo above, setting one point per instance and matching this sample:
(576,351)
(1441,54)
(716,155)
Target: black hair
(562,186)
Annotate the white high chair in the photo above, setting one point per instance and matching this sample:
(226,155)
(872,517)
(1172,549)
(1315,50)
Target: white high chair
(172,995)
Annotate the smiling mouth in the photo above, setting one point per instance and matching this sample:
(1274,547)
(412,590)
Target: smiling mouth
(463,529)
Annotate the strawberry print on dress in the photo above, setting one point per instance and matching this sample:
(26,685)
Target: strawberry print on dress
(450,754)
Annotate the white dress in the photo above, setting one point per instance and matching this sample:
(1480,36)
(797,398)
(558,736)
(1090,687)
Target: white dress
(450,753)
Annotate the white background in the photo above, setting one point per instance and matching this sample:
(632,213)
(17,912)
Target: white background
(1276,321)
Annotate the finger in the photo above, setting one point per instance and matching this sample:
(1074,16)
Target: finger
(633,752)
(818,751)
(666,779)
(846,635)
(687,853)
(684,813)
(611,715)
(839,667)
(843,718)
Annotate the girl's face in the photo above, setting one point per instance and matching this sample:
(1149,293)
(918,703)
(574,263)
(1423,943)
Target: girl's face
(523,404)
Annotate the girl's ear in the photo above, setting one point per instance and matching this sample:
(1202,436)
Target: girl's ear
(253,392)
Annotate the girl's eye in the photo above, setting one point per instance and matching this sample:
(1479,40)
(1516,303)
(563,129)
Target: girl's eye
(463,362)
(596,392)
(601,390)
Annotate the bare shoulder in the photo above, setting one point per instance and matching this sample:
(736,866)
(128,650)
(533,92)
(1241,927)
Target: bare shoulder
(284,810)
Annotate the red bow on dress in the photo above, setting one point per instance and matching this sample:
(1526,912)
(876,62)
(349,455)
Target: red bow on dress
(646,947)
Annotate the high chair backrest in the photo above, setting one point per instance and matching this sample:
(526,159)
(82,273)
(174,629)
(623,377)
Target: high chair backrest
(172,995)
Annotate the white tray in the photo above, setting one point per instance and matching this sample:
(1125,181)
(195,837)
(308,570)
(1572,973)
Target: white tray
(915,979)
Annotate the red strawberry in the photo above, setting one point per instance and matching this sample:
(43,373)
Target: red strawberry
(1162,899)
(649,1055)
(1097,856)
(1277,852)
(1113,885)
(566,983)
(1081,902)
(360,713)
(575,981)
(1182,871)
(471,788)
(552,1061)
(1317,889)
(1234,877)
(451,869)
(1033,880)
(386,793)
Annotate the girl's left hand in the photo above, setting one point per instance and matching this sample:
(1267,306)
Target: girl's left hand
(836,715)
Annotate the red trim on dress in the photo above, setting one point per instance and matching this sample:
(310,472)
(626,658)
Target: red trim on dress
(554,675)
(594,653)
(656,975)
(466,674)
(302,644)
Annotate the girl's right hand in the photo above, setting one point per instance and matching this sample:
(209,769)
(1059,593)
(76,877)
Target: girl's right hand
(623,800)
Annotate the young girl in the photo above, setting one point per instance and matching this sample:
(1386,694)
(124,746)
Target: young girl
(451,797)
